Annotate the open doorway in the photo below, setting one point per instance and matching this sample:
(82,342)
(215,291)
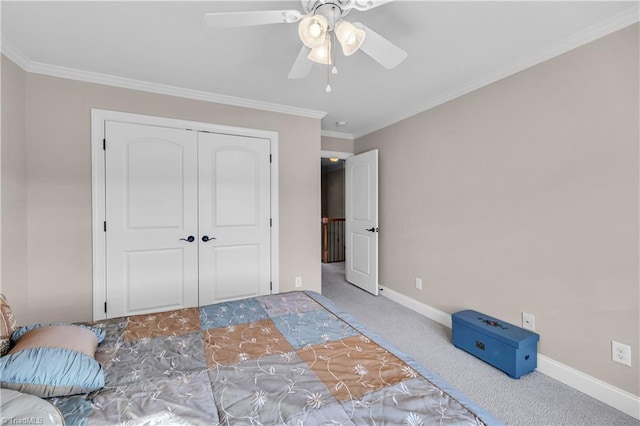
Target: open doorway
(332,220)
(333,209)
(349,192)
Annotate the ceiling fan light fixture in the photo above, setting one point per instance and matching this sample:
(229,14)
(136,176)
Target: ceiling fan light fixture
(322,53)
(312,31)
(350,37)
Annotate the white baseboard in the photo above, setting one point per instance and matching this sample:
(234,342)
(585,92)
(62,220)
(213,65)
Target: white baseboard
(622,400)
(595,388)
(421,308)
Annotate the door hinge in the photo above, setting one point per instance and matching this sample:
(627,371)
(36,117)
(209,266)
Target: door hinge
(105,226)
(104,144)
(105,307)
(270,285)
(270,158)
(271,222)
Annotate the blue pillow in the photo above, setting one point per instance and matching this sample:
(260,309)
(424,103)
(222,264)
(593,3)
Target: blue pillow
(53,360)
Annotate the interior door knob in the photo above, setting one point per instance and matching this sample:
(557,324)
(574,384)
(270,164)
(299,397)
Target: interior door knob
(372,229)
(189,239)
(206,238)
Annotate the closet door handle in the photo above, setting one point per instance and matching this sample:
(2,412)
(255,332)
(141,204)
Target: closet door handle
(189,239)
(206,238)
(372,229)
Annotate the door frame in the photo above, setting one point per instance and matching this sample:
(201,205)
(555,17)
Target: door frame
(98,206)
(336,154)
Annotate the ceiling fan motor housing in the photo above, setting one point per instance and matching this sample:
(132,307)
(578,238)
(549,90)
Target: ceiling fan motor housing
(332,10)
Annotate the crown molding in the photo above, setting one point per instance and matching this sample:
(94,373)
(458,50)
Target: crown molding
(615,23)
(10,51)
(163,89)
(338,135)
(26,64)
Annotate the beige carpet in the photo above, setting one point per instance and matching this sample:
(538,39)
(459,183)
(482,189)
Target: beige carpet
(534,399)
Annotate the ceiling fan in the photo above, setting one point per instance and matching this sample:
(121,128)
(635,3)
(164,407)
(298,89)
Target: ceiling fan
(320,25)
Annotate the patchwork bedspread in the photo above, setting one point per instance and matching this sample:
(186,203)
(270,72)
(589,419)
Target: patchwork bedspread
(285,359)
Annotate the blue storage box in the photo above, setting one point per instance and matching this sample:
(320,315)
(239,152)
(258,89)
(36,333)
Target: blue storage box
(507,347)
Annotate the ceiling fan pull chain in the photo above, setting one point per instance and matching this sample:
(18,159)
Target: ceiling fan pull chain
(334,70)
(331,52)
(328,89)
(329,62)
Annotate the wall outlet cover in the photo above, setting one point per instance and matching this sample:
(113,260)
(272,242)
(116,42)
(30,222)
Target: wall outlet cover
(528,321)
(621,353)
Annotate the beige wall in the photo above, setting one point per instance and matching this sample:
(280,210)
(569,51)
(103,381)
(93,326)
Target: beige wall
(59,189)
(13,263)
(523,196)
(337,144)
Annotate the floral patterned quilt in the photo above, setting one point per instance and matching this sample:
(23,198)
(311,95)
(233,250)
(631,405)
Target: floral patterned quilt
(284,359)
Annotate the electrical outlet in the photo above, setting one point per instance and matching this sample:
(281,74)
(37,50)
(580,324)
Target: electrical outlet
(298,282)
(419,283)
(528,321)
(621,353)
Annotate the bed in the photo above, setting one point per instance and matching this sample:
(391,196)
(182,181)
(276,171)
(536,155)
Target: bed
(291,359)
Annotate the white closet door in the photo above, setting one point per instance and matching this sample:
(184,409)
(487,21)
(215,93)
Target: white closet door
(151,206)
(234,215)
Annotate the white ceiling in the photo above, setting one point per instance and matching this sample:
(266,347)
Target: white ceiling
(453,47)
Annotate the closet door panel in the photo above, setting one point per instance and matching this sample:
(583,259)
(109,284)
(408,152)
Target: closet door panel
(151,203)
(230,276)
(234,212)
(235,192)
(155,188)
(147,271)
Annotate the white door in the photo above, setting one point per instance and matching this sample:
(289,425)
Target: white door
(234,208)
(361,222)
(151,210)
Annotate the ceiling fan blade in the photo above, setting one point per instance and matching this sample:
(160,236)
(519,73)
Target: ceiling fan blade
(380,49)
(302,66)
(363,5)
(248,19)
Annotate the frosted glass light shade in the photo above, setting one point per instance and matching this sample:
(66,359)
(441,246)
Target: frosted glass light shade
(312,31)
(350,37)
(322,54)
